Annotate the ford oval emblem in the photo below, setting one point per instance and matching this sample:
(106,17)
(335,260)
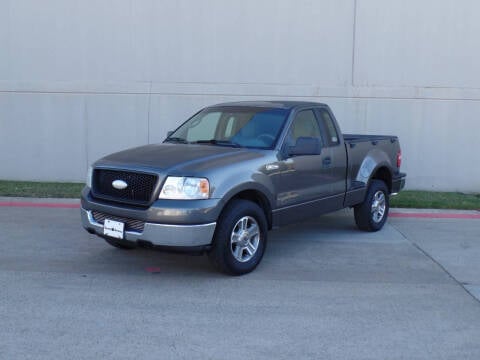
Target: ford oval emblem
(119,184)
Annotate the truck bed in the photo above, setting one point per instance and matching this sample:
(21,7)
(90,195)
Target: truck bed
(363,153)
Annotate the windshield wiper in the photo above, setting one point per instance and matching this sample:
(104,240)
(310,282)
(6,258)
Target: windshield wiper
(218,142)
(176,140)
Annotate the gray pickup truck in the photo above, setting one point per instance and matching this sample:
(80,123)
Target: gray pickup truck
(232,172)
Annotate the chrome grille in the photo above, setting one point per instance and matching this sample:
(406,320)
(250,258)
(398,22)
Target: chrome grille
(130,224)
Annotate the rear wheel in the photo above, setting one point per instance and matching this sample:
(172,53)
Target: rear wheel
(372,214)
(240,238)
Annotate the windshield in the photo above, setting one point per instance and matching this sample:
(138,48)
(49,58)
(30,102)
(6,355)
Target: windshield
(251,127)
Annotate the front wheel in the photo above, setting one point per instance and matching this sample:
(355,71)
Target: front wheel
(240,238)
(372,214)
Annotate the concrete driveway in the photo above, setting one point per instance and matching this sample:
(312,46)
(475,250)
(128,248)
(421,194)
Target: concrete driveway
(323,291)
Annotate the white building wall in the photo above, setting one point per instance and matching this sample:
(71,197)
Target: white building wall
(80,79)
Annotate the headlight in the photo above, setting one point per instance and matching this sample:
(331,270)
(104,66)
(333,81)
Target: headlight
(89,177)
(185,188)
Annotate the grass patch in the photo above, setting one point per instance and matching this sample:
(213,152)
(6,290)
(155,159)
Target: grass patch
(40,189)
(405,199)
(436,200)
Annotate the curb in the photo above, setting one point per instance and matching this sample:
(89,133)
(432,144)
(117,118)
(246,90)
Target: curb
(394,212)
(434,213)
(40,203)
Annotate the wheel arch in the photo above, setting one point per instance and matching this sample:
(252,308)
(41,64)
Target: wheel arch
(254,195)
(384,174)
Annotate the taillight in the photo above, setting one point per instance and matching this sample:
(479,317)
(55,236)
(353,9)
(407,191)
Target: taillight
(399,158)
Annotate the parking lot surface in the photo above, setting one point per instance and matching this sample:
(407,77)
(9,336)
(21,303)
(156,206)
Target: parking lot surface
(324,290)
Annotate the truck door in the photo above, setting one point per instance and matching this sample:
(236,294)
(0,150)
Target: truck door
(306,180)
(334,149)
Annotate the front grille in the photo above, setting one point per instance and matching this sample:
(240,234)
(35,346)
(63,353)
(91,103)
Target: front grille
(130,224)
(139,190)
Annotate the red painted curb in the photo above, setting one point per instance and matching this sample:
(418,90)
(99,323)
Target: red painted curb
(391,214)
(434,215)
(39,205)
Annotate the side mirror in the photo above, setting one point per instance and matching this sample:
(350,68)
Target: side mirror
(306,146)
(169,133)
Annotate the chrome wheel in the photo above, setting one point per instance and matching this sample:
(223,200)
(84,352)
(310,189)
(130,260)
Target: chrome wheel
(378,206)
(244,239)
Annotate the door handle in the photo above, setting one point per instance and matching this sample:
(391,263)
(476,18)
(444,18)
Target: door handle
(327,161)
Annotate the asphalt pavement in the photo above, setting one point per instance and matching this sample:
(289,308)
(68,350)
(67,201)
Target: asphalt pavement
(324,290)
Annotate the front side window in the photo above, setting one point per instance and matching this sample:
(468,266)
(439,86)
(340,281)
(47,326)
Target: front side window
(235,126)
(305,124)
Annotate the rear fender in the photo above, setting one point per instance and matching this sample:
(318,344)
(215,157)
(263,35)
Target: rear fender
(374,160)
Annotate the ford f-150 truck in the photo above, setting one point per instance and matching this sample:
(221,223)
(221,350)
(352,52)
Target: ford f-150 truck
(232,172)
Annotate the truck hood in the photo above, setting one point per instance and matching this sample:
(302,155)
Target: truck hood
(177,157)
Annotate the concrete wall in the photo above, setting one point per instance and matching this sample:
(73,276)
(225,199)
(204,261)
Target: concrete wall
(80,79)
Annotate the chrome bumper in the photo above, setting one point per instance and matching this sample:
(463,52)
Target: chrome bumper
(160,234)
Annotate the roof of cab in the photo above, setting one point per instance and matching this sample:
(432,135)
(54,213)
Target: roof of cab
(270,104)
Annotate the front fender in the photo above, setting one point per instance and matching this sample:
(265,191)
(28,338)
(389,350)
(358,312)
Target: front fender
(267,193)
(233,184)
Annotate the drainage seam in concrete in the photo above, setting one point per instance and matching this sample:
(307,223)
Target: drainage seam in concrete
(427,255)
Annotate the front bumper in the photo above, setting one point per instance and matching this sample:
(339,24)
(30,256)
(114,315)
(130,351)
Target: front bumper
(159,234)
(167,223)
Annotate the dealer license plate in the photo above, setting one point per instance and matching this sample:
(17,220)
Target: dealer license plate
(113,228)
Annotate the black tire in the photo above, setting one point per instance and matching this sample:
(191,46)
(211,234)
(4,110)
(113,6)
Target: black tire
(366,217)
(230,243)
(119,244)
